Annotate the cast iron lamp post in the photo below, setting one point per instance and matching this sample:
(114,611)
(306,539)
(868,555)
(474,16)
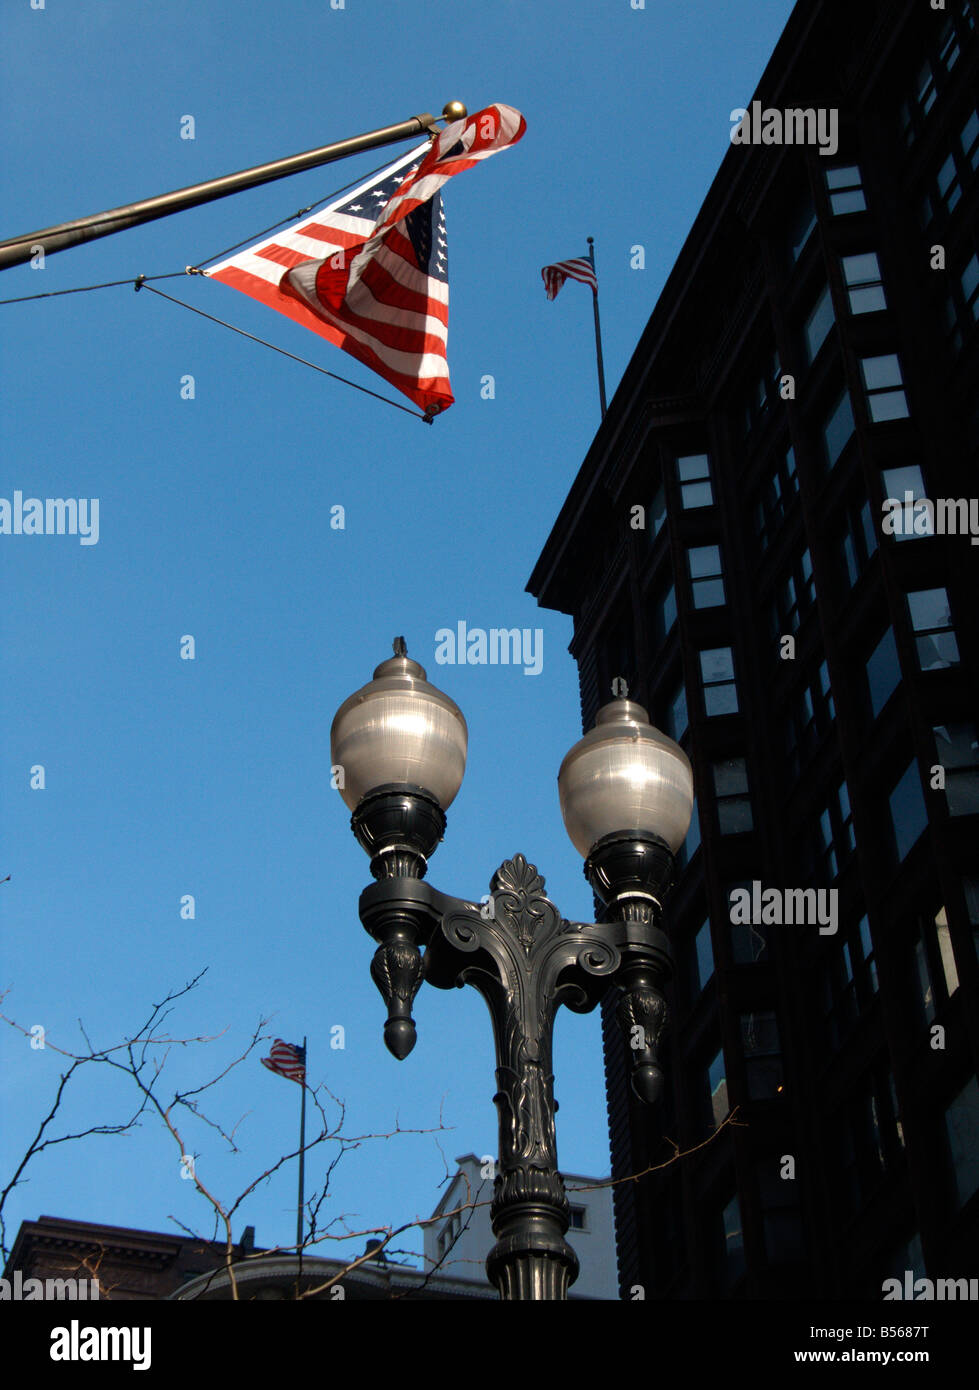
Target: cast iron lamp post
(626,797)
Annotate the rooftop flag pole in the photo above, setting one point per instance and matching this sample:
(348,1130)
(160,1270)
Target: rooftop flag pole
(16,250)
(302,1161)
(598,332)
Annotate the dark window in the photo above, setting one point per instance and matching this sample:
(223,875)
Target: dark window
(774,497)
(794,596)
(692,843)
(781,1218)
(819,323)
(864,286)
(718,1105)
(906,486)
(733,801)
(762,1055)
(934,973)
(909,816)
(958,754)
(837,429)
(706,584)
(962,305)
(883,672)
(884,387)
(834,837)
(704,955)
(931,620)
(694,473)
(810,720)
(845,187)
(749,940)
(802,228)
(657,512)
(717,672)
(962,1133)
(733,1261)
(676,714)
(762,393)
(859,540)
(577,1218)
(662,616)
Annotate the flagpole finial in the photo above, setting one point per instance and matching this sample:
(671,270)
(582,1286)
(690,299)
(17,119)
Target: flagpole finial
(454,110)
(400,646)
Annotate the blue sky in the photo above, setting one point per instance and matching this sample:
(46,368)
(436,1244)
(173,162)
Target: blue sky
(210,777)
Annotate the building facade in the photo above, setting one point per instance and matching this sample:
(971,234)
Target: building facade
(460,1235)
(774,538)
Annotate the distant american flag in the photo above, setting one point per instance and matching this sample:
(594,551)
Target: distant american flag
(370,272)
(287,1059)
(555,275)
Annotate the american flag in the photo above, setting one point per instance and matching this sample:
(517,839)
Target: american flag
(555,275)
(370,272)
(288,1059)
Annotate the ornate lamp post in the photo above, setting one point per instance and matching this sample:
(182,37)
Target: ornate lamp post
(626,797)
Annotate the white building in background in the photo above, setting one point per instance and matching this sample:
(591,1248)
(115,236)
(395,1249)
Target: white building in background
(591,1233)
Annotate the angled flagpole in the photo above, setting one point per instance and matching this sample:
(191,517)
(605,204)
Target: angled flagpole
(598,332)
(16,250)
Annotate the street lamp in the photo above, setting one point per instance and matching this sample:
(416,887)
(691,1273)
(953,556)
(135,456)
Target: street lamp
(626,796)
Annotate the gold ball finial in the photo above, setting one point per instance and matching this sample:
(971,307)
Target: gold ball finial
(454,110)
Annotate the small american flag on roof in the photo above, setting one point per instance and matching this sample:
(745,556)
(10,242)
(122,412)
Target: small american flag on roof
(288,1059)
(578,269)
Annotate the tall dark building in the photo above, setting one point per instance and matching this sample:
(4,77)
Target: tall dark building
(727,548)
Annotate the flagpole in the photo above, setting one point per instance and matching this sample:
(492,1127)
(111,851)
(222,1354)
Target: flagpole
(302,1159)
(16,250)
(598,333)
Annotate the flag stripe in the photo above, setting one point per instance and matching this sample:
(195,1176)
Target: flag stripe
(369,273)
(579,268)
(286,1059)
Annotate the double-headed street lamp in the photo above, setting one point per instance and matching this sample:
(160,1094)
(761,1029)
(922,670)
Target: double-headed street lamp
(626,795)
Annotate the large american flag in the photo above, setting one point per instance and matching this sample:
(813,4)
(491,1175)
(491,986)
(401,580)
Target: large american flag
(288,1059)
(370,272)
(578,269)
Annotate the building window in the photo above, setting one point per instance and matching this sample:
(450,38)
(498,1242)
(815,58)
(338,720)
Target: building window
(693,471)
(733,1263)
(794,597)
(934,973)
(864,285)
(931,620)
(869,1143)
(859,540)
(663,616)
(718,1105)
(949,187)
(774,497)
(962,1133)
(692,843)
(810,719)
(704,955)
(837,429)
(962,305)
(819,323)
(762,393)
(781,1218)
(849,984)
(898,483)
(676,714)
(762,1055)
(969,140)
(657,513)
(749,940)
(884,387)
(835,840)
(908,813)
(803,225)
(958,753)
(717,673)
(883,672)
(706,583)
(577,1218)
(845,190)
(731,792)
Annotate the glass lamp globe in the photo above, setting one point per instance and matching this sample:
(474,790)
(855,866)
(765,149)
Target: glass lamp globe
(625,776)
(399,729)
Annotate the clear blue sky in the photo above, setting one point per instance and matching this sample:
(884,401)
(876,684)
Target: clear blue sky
(167,777)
